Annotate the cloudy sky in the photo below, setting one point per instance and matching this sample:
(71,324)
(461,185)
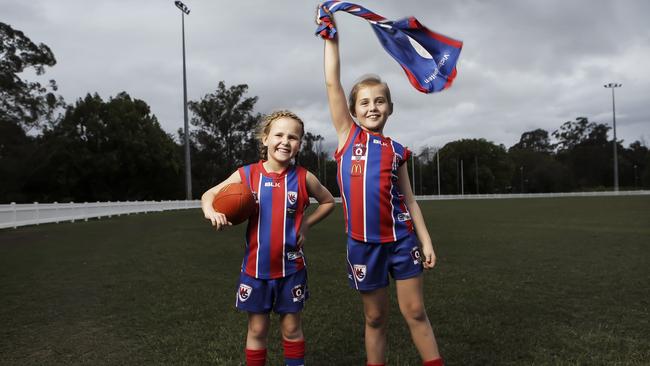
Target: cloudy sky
(525,64)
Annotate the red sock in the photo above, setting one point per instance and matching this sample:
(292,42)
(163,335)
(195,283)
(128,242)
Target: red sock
(294,352)
(255,357)
(436,362)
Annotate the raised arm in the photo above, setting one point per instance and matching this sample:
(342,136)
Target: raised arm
(217,218)
(336,96)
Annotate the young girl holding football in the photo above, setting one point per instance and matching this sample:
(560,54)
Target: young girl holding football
(380,211)
(273,274)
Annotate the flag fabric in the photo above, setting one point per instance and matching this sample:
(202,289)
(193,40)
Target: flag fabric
(428,58)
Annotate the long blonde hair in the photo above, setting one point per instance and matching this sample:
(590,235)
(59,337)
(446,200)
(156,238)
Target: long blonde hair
(264,128)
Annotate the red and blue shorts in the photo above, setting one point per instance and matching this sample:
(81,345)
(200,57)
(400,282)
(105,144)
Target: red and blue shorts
(282,295)
(370,264)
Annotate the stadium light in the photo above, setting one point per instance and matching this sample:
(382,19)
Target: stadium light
(188,168)
(438,168)
(614,86)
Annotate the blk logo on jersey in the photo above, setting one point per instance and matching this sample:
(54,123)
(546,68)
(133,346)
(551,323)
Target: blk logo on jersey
(403,217)
(379,142)
(292,197)
(244,292)
(298,293)
(292,256)
(360,272)
(272,184)
(416,256)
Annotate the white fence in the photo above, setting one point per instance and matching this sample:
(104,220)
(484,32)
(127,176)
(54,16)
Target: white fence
(14,215)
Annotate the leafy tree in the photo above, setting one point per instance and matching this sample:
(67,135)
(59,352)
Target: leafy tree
(24,103)
(536,140)
(633,166)
(105,150)
(311,155)
(225,134)
(584,149)
(494,168)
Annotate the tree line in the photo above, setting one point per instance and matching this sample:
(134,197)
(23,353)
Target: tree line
(114,149)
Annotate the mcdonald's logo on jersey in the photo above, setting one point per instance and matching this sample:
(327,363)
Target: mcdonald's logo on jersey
(356,169)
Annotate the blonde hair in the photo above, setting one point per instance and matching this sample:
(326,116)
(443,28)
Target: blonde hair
(365,81)
(264,127)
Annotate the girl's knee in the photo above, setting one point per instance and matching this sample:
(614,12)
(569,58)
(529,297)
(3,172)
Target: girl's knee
(291,328)
(257,330)
(414,312)
(376,319)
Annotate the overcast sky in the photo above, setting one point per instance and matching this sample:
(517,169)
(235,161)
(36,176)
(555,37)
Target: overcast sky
(525,64)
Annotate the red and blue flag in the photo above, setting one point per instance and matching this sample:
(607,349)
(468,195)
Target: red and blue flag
(428,58)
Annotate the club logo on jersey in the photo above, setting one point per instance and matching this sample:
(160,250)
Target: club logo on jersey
(356,170)
(403,216)
(359,152)
(416,256)
(292,256)
(360,272)
(272,184)
(244,292)
(292,197)
(298,293)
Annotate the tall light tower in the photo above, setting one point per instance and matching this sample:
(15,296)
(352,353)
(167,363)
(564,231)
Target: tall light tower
(188,168)
(614,86)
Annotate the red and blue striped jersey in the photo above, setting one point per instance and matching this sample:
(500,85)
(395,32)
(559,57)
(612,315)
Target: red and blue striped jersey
(373,205)
(271,236)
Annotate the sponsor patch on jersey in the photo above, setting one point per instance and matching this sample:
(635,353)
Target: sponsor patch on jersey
(298,293)
(244,292)
(416,255)
(255,196)
(356,170)
(292,197)
(272,184)
(291,213)
(292,256)
(403,216)
(360,272)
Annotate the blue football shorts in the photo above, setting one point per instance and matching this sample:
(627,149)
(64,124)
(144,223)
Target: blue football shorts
(369,264)
(282,295)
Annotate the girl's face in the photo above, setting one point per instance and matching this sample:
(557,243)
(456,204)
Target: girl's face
(283,140)
(372,107)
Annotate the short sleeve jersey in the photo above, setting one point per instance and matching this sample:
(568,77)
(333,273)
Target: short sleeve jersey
(271,236)
(373,205)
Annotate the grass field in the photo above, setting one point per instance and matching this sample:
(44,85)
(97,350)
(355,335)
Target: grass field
(518,282)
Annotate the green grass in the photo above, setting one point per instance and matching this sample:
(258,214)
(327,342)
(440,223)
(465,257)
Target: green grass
(518,282)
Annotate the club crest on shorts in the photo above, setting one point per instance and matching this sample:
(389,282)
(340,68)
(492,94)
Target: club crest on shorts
(360,272)
(244,292)
(292,197)
(416,255)
(298,293)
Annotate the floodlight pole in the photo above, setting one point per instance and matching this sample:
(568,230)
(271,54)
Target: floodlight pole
(614,86)
(438,169)
(188,168)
